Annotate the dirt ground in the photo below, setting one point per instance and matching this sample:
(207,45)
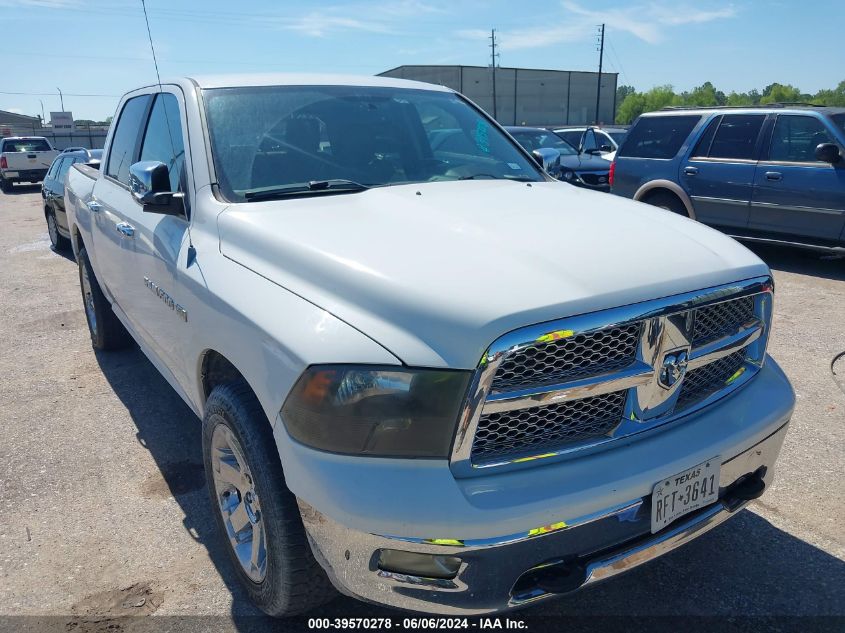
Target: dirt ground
(105,515)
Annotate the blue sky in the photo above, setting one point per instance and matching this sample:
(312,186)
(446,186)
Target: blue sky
(90,47)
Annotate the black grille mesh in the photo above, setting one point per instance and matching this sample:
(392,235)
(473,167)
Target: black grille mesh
(704,381)
(548,427)
(569,358)
(720,319)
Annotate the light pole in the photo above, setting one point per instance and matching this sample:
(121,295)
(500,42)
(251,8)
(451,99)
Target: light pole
(61,99)
(43,118)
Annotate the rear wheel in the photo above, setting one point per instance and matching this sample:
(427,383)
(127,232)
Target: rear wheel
(5,185)
(59,242)
(256,513)
(107,332)
(668,201)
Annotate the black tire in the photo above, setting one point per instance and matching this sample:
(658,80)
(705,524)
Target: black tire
(59,241)
(668,201)
(293,581)
(5,185)
(107,332)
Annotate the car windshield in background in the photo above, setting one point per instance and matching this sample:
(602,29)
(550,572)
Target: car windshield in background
(281,137)
(839,120)
(537,139)
(618,137)
(26,145)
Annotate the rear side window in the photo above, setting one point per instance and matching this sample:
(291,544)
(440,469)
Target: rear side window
(27,145)
(163,138)
(122,152)
(795,138)
(658,136)
(54,168)
(736,137)
(66,165)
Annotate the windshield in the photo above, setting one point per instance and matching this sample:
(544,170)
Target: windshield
(535,139)
(26,145)
(267,138)
(618,137)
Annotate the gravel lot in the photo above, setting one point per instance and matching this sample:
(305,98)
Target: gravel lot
(104,511)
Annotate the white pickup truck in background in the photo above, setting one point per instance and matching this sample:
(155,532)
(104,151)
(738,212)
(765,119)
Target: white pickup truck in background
(24,159)
(429,375)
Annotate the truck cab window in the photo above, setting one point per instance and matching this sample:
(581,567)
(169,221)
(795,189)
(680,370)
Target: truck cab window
(125,139)
(163,138)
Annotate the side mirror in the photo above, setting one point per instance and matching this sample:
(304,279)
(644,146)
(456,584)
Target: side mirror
(828,153)
(149,181)
(547,158)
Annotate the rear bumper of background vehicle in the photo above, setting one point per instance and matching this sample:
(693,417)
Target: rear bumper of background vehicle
(577,521)
(25,175)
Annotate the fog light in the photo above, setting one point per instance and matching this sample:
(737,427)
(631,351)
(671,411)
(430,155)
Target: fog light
(414,564)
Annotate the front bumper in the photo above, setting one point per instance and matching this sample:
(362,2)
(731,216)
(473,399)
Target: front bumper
(511,571)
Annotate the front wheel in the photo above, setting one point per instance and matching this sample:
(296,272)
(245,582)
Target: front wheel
(256,513)
(59,242)
(107,332)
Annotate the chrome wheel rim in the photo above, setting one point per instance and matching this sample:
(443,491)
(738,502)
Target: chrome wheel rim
(88,299)
(238,503)
(52,228)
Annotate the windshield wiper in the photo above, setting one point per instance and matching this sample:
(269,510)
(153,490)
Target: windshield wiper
(492,177)
(336,185)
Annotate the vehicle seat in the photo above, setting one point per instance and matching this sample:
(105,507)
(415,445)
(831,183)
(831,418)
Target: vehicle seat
(294,158)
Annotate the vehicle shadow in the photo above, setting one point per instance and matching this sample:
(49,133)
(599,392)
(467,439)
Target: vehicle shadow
(799,261)
(745,568)
(171,432)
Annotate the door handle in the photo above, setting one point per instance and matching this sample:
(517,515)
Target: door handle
(690,171)
(94,206)
(774,175)
(125,229)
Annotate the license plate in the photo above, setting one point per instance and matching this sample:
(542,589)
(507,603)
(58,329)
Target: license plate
(685,492)
(11,174)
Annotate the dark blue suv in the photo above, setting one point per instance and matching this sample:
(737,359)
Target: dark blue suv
(771,173)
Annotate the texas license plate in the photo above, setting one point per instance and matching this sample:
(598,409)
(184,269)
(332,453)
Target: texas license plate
(685,492)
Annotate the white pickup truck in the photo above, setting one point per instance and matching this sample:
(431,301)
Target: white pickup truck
(429,375)
(24,159)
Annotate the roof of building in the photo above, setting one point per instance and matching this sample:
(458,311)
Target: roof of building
(540,70)
(6,113)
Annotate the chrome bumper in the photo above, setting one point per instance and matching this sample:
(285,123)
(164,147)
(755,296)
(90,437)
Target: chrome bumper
(498,574)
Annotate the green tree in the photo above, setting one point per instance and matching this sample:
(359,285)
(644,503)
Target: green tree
(781,93)
(835,97)
(622,93)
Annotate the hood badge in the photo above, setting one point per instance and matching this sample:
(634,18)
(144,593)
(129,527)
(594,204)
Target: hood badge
(673,367)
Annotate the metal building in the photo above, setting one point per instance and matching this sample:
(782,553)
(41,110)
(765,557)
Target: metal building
(525,96)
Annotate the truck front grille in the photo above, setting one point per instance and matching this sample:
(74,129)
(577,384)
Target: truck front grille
(573,383)
(715,321)
(705,381)
(569,358)
(538,428)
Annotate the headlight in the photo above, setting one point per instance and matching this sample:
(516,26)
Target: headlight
(376,411)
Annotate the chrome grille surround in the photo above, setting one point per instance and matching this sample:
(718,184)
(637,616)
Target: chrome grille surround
(666,330)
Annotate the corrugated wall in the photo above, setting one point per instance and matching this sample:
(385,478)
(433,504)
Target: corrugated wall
(525,96)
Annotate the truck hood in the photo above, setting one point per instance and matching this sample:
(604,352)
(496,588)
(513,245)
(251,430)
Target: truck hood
(436,272)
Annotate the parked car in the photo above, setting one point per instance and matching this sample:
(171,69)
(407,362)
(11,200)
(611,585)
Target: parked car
(53,192)
(435,379)
(582,169)
(604,140)
(24,159)
(770,174)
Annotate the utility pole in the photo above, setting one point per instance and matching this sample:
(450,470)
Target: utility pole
(601,59)
(493,56)
(43,118)
(61,98)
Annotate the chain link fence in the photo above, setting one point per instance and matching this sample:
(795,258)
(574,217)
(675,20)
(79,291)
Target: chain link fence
(85,135)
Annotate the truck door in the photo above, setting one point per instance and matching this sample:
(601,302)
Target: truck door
(155,240)
(794,193)
(110,201)
(719,174)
